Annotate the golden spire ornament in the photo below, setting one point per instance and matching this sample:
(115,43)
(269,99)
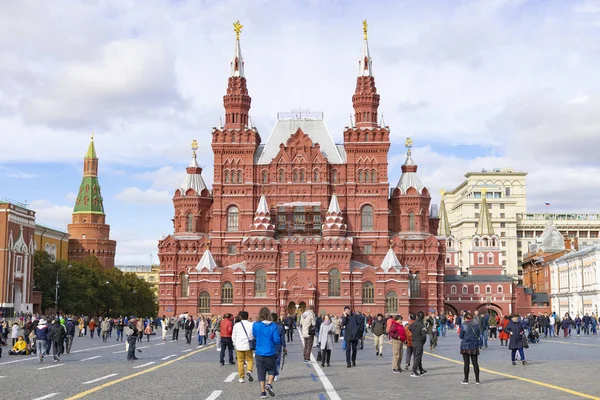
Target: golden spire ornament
(365,26)
(408,143)
(194,145)
(237,28)
(442,192)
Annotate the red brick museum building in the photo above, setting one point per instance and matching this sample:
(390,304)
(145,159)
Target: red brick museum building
(300,220)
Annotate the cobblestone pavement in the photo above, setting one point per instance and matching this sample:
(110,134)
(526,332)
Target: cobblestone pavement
(173,370)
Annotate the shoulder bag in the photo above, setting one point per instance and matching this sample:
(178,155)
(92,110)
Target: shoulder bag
(251,342)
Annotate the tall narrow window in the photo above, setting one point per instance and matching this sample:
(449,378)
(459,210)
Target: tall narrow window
(411,221)
(281,176)
(204,303)
(260,283)
(316,176)
(303,259)
(374,176)
(232,219)
(368,293)
(227,293)
(265,177)
(295,175)
(360,176)
(367,176)
(391,302)
(292,260)
(367,218)
(302,175)
(226,176)
(334,282)
(453,290)
(184,284)
(239,175)
(415,285)
(490,258)
(190,222)
(335,176)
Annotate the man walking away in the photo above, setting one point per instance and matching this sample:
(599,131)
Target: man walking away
(226,327)
(189,327)
(352,334)
(119,327)
(443,324)
(241,337)
(132,338)
(57,333)
(419,337)
(70,334)
(362,321)
(379,334)
(41,334)
(281,347)
(289,328)
(398,338)
(104,327)
(308,329)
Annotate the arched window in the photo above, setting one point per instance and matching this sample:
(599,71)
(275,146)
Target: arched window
(368,293)
(411,221)
(391,302)
(316,175)
(292,260)
(303,259)
(190,222)
(232,219)
(227,293)
(239,174)
(374,176)
(301,175)
(453,289)
(265,177)
(476,289)
(465,290)
(499,289)
(281,176)
(334,176)
(184,284)
(204,303)
(488,289)
(366,137)
(226,176)
(367,218)
(260,283)
(415,285)
(53,252)
(233,135)
(360,176)
(47,248)
(480,258)
(295,175)
(367,176)
(334,282)
(490,258)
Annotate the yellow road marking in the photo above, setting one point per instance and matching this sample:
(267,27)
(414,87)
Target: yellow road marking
(107,384)
(544,384)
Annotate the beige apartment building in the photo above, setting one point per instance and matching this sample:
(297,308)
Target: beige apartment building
(507,201)
(149,273)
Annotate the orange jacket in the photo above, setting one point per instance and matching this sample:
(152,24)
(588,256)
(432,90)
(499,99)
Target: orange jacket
(408,334)
(226,328)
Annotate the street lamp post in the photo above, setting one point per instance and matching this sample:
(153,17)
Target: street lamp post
(56,292)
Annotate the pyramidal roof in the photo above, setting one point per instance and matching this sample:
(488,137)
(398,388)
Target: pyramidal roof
(91,153)
(444,227)
(409,177)
(193,178)
(206,262)
(391,261)
(262,206)
(89,199)
(334,206)
(484,226)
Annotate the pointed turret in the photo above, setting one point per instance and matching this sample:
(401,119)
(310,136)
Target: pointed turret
(193,179)
(334,222)
(365,100)
(207,262)
(89,199)
(484,226)
(444,227)
(262,220)
(409,177)
(391,263)
(237,101)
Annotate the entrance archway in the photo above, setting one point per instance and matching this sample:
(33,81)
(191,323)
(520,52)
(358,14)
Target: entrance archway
(302,307)
(291,308)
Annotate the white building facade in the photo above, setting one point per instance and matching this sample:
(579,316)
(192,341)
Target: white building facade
(575,286)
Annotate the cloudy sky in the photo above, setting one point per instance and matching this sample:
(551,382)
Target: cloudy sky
(476,84)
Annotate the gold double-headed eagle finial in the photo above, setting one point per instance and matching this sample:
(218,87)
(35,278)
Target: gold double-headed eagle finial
(408,143)
(442,192)
(365,26)
(194,145)
(237,28)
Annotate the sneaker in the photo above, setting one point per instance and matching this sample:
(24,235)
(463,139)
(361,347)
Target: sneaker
(423,372)
(406,367)
(376,353)
(240,380)
(396,371)
(465,382)
(250,378)
(477,382)
(380,354)
(514,363)
(525,362)
(414,375)
(270,390)
(263,395)
(276,379)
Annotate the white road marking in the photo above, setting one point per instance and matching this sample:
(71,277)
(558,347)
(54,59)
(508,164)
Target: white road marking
(187,351)
(167,357)
(171,341)
(51,366)
(144,365)
(214,395)
(91,358)
(324,380)
(99,379)
(231,377)
(2,377)
(143,347)
(46,396)
(159,344)
(121,351)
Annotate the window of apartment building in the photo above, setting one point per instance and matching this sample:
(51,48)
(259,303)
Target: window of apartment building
(480,259)
(594,235)
(519,245)
(488,289)
(528,234)
(476,289)
(502,206)
(502,224)
(502,234)
(477,195)
(519,253)
(507,192)
(502,215)
(490,259)
(476,206)
(490,206)
(231,249)
(504,253)
(367,248)
(504,263)
(503,243)
(465,290)
(583,234)
(476,215)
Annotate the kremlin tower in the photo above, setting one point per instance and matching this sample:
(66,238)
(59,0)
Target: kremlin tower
(89,234)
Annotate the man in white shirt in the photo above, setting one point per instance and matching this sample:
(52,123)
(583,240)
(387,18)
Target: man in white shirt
(241,337)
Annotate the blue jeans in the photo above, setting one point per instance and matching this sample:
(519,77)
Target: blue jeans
(277,360)
(483,337)
(119,334)
(201,340)
(513,353)
(551,330)
(443,326)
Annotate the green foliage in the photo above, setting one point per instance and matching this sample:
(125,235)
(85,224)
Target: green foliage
(85,288)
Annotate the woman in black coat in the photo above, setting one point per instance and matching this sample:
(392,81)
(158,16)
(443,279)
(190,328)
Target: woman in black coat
(469,347)
(515,343)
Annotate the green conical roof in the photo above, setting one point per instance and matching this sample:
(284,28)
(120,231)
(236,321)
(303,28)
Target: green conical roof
(89,198)
(91,153)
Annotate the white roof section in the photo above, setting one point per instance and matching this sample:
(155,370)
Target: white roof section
(206,262)
(193,181)
(391,261)
(334,206)
(408,180)
(365,64)
(314,128)
(262,206)
(237,62)
(300,204)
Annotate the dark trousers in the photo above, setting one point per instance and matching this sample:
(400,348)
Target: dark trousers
(132,340)
(409,353)
(188,336)
(175,334)
(418,357)
(57,348)
(336,337)
(351,351)
(473,360)
(308,344)
(325,357)
(290,334)
(226,342)
(69,343)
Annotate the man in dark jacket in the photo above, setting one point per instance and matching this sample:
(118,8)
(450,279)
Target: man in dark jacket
(379,334)
(419,337)
(70,334)
(189,327)
(57,334)
(289,327)
(352,334)
(132,337)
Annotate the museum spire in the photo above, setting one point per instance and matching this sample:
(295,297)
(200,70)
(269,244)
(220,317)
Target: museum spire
(365,99)
(237,101)
(484,225)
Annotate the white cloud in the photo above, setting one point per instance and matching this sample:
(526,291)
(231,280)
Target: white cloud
(134,195)
(71,197)
(14,173)
(165,178)
(51,215)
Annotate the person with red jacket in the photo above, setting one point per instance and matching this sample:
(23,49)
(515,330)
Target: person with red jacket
(398,337)
(226,328)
